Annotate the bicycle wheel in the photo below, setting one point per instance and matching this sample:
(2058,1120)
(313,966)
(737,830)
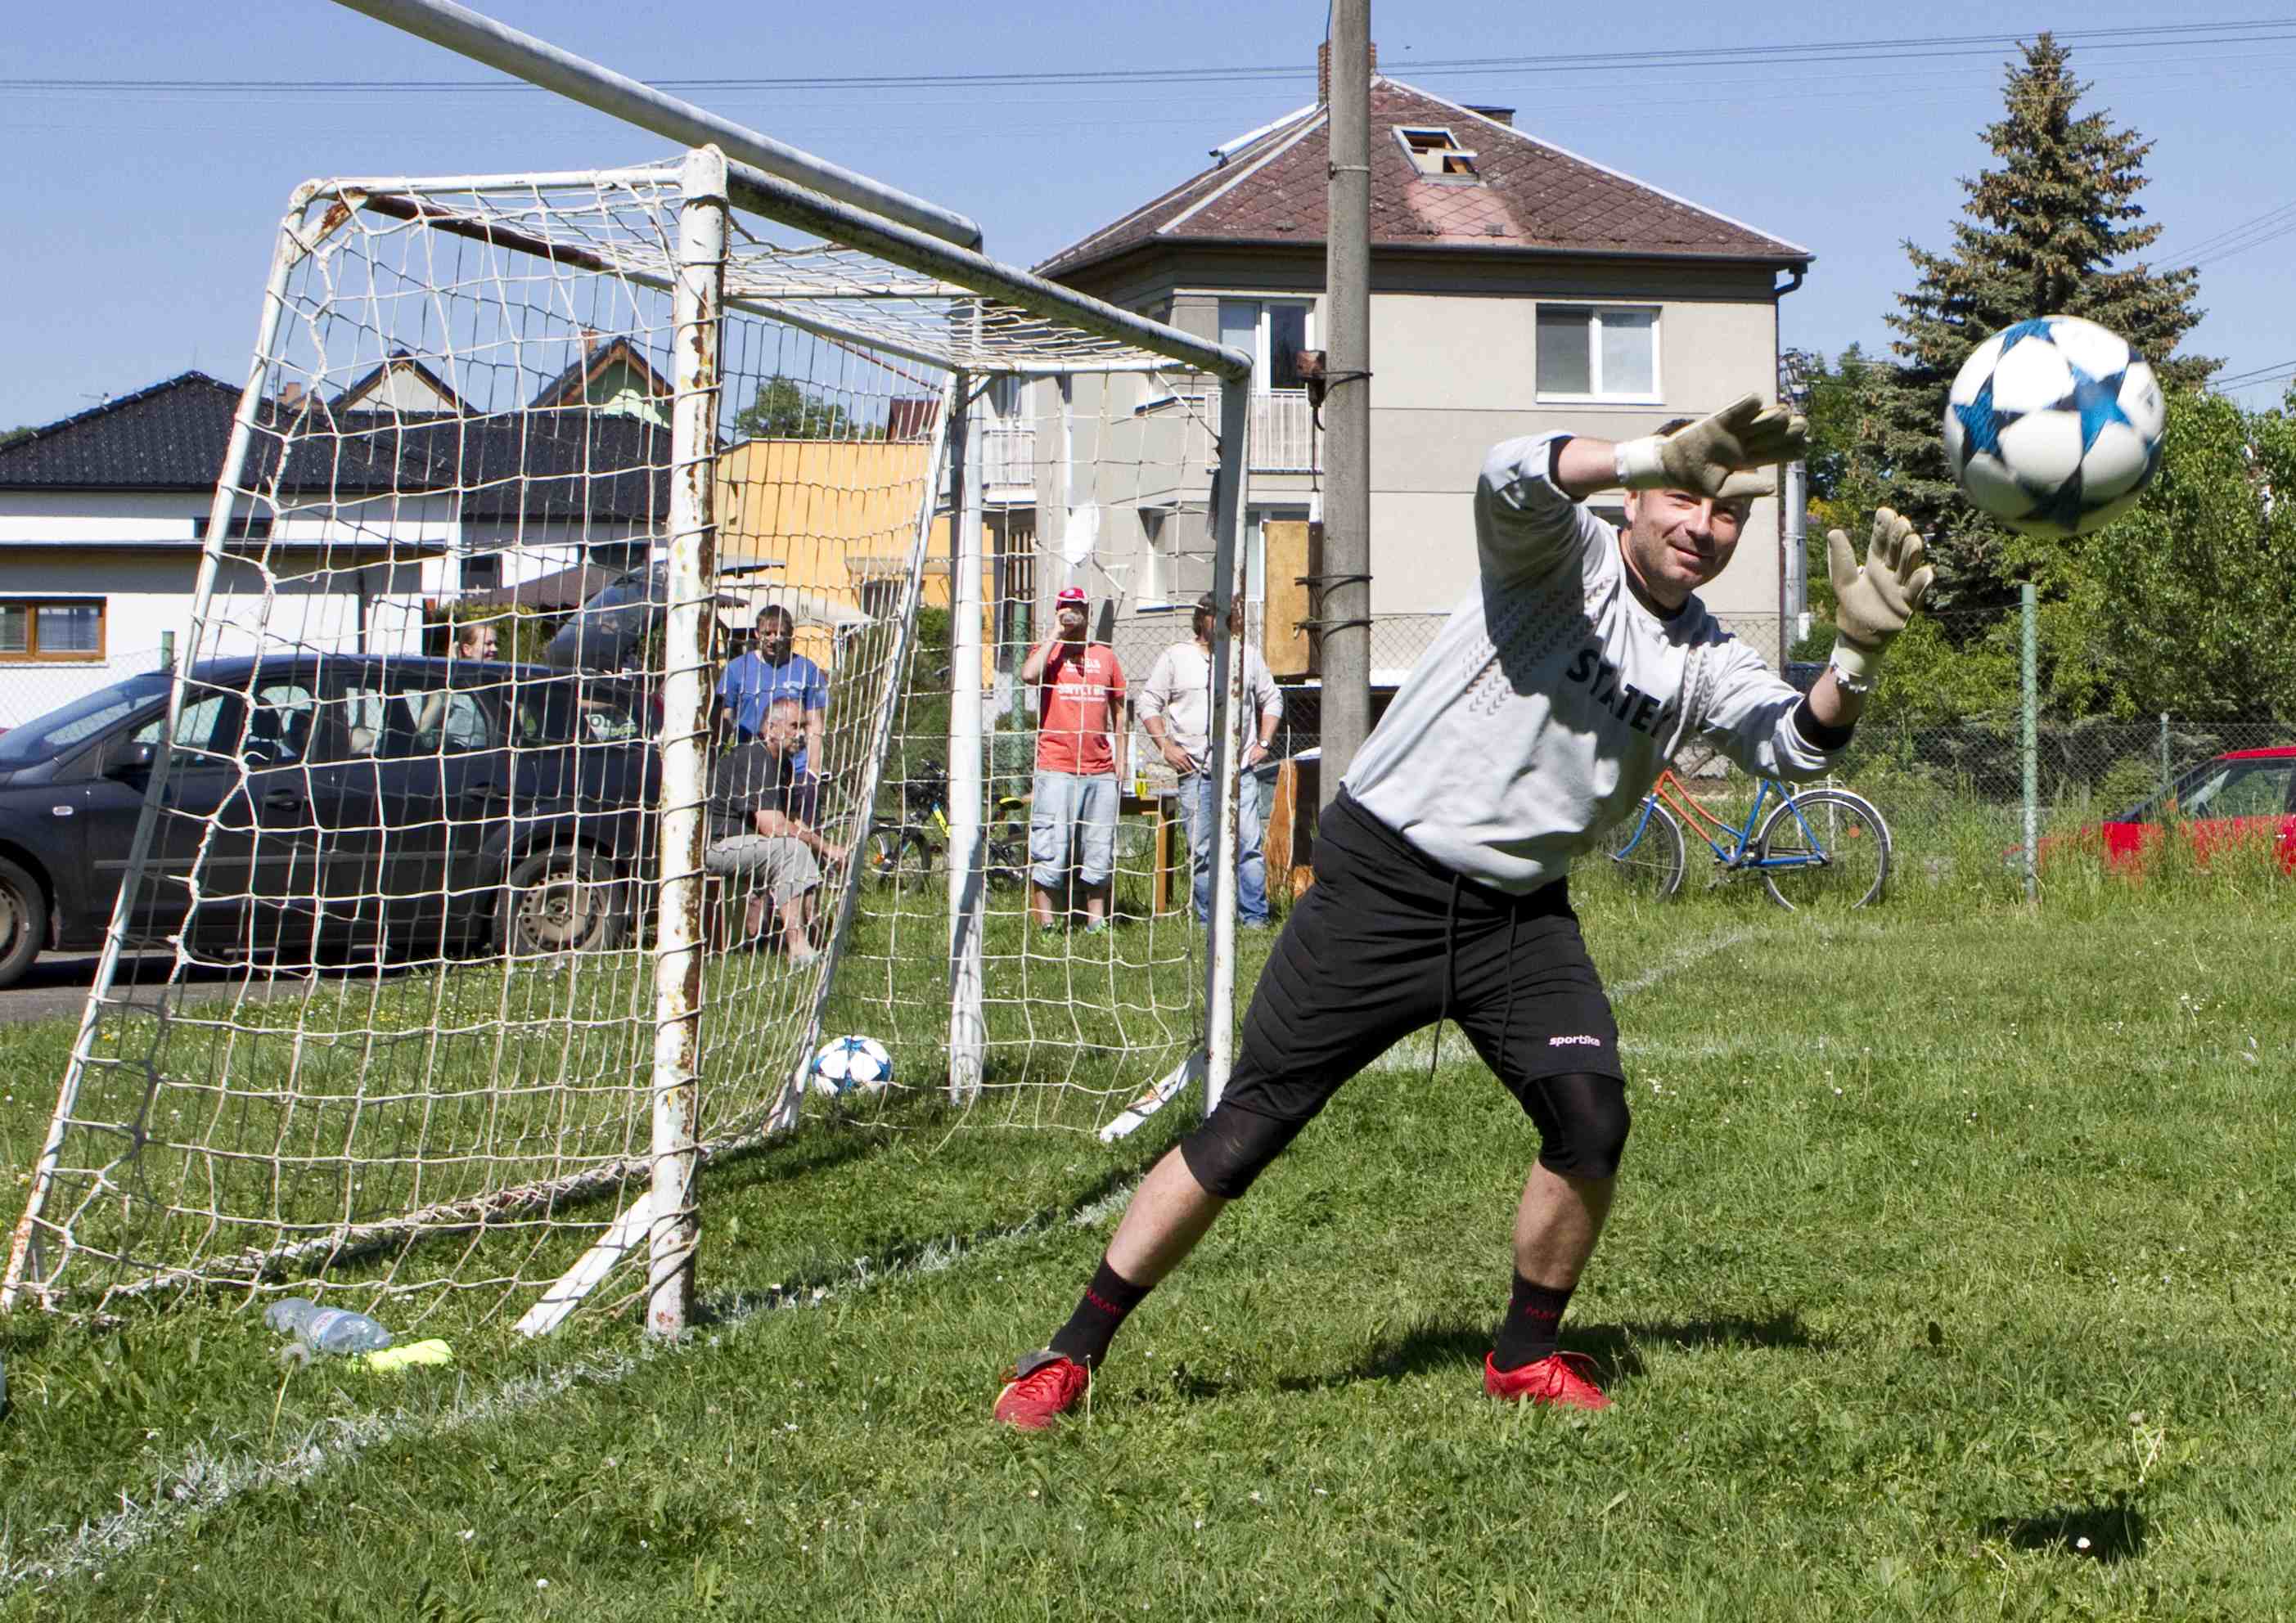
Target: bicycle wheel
(1825,850)
(897,857)
(1008,865)
(1643,855)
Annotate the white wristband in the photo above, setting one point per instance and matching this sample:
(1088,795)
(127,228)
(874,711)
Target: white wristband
(1639,467)
(1854,669)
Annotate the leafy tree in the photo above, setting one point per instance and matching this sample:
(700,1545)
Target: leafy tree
(2181,606)
(1844,413)
(781,409)
(2039,235)
(2187,608)
(9,436)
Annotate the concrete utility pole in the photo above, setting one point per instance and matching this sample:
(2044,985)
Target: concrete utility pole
(1793,510)
(1346,611)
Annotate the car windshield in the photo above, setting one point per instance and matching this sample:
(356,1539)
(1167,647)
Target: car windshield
(44,737)
(2221,788)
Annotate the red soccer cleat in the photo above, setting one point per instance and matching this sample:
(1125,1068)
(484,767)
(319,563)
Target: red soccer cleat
(1563,1378)
(1044,1388)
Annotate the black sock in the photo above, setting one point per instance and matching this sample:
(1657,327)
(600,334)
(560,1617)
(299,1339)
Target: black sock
(1533,1318)
(1099,1315)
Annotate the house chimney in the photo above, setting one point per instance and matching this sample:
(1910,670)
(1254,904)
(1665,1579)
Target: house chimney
(1323,70)
(290,393)
(1497,115)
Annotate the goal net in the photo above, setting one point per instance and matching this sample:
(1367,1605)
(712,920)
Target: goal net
(603,682)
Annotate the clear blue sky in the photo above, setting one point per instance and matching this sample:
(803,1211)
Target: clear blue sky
(140,221)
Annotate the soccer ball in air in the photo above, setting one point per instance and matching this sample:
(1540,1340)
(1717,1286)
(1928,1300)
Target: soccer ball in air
(2054,426)
(851,1067)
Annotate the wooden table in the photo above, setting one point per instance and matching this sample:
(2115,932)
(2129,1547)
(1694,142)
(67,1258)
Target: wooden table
(1169,887)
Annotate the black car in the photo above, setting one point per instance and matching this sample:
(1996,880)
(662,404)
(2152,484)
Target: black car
(320,803)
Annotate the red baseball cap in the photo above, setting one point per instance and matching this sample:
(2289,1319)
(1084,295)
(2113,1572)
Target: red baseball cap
(1069,594)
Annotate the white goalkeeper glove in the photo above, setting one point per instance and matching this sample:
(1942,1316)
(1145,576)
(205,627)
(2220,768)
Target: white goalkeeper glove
(1874,601)
(1703,456)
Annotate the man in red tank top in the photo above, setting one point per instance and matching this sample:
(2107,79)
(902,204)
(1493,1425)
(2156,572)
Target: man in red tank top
(1080,748)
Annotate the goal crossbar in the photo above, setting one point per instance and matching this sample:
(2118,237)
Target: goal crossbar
(483,38)
(999,342)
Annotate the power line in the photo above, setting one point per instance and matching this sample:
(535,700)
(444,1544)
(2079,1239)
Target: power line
(2260,375)
(2203,248)
(1808,52)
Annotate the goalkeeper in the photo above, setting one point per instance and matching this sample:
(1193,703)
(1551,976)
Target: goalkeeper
(1543,713)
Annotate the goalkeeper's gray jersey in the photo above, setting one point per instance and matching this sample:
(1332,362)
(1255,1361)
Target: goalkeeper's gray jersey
(1553,699)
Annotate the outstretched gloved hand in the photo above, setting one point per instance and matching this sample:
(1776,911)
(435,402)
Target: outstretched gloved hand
(1701,456)
(1874,601)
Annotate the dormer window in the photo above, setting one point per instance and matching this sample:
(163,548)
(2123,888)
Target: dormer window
(1436,153)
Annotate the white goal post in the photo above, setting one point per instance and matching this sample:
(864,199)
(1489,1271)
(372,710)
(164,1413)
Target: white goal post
(425,965)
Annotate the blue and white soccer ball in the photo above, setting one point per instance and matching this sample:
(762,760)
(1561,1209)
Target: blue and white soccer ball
(2054,426)
(851,1068)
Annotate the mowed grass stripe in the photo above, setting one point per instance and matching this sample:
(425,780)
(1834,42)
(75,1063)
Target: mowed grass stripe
(1892,1349)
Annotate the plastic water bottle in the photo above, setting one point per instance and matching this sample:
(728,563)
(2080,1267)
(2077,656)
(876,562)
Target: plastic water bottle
(327,1331)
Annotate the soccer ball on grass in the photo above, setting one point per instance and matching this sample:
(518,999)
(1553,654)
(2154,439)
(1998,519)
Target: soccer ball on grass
(850,1068)
(2054,426)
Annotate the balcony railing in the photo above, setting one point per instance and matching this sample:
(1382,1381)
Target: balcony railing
(1284,438)
(1008,454)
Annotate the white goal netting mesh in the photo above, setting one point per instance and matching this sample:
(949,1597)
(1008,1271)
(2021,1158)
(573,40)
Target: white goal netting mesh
(381,1014)
(1093,967)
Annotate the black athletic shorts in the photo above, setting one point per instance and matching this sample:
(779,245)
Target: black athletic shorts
(1365,961)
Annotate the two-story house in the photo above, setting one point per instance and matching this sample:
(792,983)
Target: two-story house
(1516,287)
(386,505)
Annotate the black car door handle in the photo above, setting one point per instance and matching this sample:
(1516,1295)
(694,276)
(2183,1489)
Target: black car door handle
(283,799)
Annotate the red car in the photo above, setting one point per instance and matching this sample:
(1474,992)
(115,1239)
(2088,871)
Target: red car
(2244,798)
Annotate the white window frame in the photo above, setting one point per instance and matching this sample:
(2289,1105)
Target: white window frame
(1260,385)
(1657,392)
(1448,148)
(1155,590)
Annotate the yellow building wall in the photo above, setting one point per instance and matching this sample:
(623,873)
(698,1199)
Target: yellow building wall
(835,514)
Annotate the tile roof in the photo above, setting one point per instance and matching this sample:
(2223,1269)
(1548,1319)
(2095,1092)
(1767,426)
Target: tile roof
(567,387)
(400,361)
(567,466)
(1528,194)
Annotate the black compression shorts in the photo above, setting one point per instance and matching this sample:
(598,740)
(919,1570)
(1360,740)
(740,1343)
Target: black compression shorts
(1364,962)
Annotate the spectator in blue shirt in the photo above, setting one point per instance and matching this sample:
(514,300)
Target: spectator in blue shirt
(769,671)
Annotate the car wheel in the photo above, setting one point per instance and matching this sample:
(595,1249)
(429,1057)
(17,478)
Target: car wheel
(561,902)
(23,923)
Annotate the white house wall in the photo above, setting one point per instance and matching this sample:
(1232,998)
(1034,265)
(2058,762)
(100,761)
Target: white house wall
(100,515)
(1453,359)
(148,597)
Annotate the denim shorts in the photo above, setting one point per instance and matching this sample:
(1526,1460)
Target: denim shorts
(1063,804)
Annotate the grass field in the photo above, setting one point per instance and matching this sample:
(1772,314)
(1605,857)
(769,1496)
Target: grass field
(1951,1277)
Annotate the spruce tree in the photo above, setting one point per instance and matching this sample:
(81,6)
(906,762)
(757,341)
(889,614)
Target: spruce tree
(2037,236)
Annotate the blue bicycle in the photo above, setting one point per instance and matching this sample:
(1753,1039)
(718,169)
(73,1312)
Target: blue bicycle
(1821,850)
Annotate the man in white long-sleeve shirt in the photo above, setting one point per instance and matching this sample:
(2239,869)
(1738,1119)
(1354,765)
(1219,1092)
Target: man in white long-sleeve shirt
(1542,715)
(1175,712)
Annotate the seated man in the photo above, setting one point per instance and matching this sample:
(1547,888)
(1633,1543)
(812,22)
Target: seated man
(759,831)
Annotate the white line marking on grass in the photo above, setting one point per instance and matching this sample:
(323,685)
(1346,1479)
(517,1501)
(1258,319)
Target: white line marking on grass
(206,1481)
(1681,959)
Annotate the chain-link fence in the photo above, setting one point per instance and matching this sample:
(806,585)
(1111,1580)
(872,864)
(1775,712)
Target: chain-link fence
(1953,790)
(34,687)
